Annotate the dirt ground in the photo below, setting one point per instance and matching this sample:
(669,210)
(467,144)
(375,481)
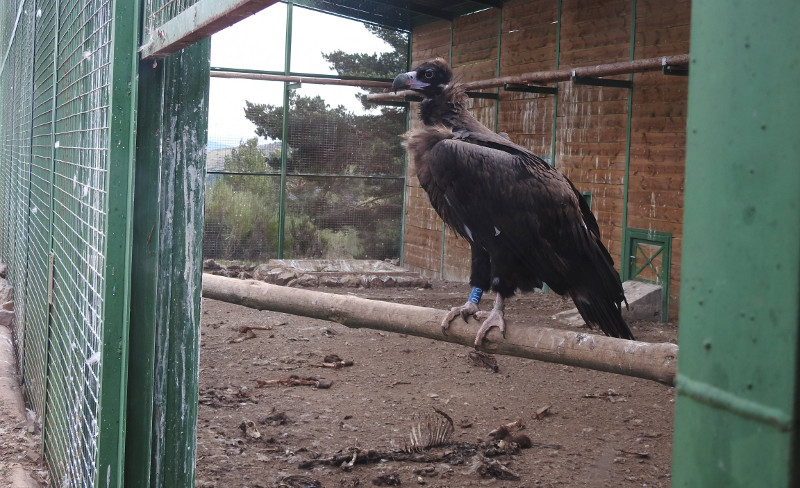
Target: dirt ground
(352,426)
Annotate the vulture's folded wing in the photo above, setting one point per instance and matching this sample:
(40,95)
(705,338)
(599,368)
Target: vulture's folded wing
(500,196)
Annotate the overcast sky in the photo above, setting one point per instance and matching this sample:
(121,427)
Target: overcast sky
(258,42)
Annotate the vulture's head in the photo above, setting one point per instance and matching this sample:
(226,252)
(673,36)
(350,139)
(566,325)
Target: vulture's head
(429,78)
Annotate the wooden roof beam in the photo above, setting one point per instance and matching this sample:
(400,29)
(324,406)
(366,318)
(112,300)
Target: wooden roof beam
(431,12)
(197,22)
(491,3)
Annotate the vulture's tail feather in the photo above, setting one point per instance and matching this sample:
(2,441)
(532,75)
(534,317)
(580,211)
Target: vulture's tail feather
(598,311)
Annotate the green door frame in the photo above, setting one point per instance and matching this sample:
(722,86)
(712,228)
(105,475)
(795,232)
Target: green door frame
(632,265)
(737,383)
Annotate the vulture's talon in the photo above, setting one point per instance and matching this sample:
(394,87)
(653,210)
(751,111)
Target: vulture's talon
(466,311)
(493,319)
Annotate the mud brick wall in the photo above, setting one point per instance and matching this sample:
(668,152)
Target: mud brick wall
(583,129)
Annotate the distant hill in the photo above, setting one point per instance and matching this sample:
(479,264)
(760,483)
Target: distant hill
(214,145)
(216,153)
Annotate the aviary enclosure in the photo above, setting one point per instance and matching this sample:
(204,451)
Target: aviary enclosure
(104,194)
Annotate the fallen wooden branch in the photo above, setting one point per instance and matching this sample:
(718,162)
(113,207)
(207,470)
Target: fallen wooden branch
(295,380)
(655,362)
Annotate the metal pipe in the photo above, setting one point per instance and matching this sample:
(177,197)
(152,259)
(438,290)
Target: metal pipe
(300,79)
(287,58)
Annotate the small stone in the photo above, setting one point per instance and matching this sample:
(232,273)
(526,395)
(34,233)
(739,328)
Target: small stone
(7,318)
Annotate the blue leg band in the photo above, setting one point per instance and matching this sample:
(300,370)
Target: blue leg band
(475,295)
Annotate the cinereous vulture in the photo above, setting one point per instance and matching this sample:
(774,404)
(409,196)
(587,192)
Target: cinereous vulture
(526,223)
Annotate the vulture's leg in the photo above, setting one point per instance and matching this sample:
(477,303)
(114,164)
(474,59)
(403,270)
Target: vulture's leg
(493,319)
(480,278)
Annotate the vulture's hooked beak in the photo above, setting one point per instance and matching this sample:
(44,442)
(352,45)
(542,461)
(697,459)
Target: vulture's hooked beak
(408,81)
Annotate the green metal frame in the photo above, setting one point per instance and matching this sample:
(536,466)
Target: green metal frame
(587,197)
(626,181)
(632,266)
(144,286)
(119,231)
(736,416)
(555,87)
(287,59)
(444,226)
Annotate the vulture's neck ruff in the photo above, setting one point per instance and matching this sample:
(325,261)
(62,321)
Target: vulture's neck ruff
(448,107)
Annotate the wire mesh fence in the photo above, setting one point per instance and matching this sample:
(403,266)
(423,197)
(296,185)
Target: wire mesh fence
(326,183)
(79,210)
(55,166)
(158,12)
(304,171)
(341,195)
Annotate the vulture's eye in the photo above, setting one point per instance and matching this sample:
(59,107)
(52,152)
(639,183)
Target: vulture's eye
(428,74)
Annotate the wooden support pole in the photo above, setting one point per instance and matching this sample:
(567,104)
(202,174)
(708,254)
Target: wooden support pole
(655,362)
(318,80)
(566,74)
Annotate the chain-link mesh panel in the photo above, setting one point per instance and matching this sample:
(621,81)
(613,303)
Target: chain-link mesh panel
(80,201)
(343,217)
(33,350)
(337,142)
(21,65)
(16,140)
(241,217)
(344,172)
(342,198)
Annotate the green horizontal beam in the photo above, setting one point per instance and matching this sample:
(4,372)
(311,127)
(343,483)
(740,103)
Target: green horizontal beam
(488,96)
(547,90)
(604,82)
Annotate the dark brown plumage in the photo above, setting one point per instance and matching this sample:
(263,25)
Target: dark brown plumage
(525,221)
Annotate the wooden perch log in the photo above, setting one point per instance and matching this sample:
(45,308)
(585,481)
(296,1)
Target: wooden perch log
(655,362)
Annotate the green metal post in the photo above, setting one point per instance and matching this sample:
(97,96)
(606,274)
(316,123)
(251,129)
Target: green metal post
(285,132)
(444,226)
(555,97)
(119,231)
(144,284)
(409,51)
(625,260)
(737,408)
(45,412)
(186,91)
(497,67)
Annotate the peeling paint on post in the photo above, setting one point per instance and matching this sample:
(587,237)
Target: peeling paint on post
(178,327)
(167,287)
